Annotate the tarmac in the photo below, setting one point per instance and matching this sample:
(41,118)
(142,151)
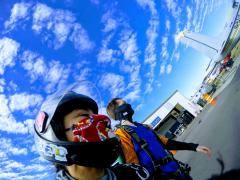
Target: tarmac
(217,127)
(225,81)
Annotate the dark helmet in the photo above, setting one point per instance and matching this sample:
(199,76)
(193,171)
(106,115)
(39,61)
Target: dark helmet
(91,154)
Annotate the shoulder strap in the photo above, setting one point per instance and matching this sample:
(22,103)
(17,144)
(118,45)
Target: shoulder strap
(150,129)
(140,141)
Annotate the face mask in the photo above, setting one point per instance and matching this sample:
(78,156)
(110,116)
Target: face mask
(124,112)
(94,128)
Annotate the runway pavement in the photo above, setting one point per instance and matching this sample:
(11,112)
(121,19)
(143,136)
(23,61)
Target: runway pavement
(219,128)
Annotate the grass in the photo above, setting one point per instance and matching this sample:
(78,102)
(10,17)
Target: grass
(236,51)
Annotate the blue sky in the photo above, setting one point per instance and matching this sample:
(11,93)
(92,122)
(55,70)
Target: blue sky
(126,48)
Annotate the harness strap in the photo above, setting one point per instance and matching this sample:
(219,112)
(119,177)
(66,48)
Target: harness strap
(156,163)
(140,141)
(163,161)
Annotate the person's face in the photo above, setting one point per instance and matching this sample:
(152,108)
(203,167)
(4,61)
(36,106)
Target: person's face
(74,117)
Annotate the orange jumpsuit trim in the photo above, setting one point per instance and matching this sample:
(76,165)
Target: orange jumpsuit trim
(127,146)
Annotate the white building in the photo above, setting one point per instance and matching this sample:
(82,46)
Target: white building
(174,112)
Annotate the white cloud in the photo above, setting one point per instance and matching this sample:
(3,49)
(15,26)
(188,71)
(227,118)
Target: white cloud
(148,88)
(39,66)
(110,25)
(162,69)
(176,12)
(80,39)
(24,101)
(8,51)
(103,110)
(152,34)
(16,170)
(169,69)
(176,38)
(206,11)
(164,51)
(159,84)
(165,40)
(130,64)
(29,123)
(18,12)
(107,55)
(150,54)
(7,121)
(83,74)
(173,8)
(134,83)
(14,165)
(56,21)
(53,25)
(114,83)
(196,12)
(202,9)
(189,17)
(82,64)
(19,176)
(7,175)
(35,167)
(133,95)
(28,57)
(13,86)
(56,74)
(109,22)
(139,107)
(62,25)
(2,83)
(148,4)
(128,46)
(53,73)
(177,56)
(201,16)
(61,31)
(9,148)
(41,17)
(34,64)
(88,88)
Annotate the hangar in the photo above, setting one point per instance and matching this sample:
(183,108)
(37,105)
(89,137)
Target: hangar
(173,116)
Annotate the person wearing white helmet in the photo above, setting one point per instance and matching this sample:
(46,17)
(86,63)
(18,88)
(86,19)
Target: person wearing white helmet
(70,133)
